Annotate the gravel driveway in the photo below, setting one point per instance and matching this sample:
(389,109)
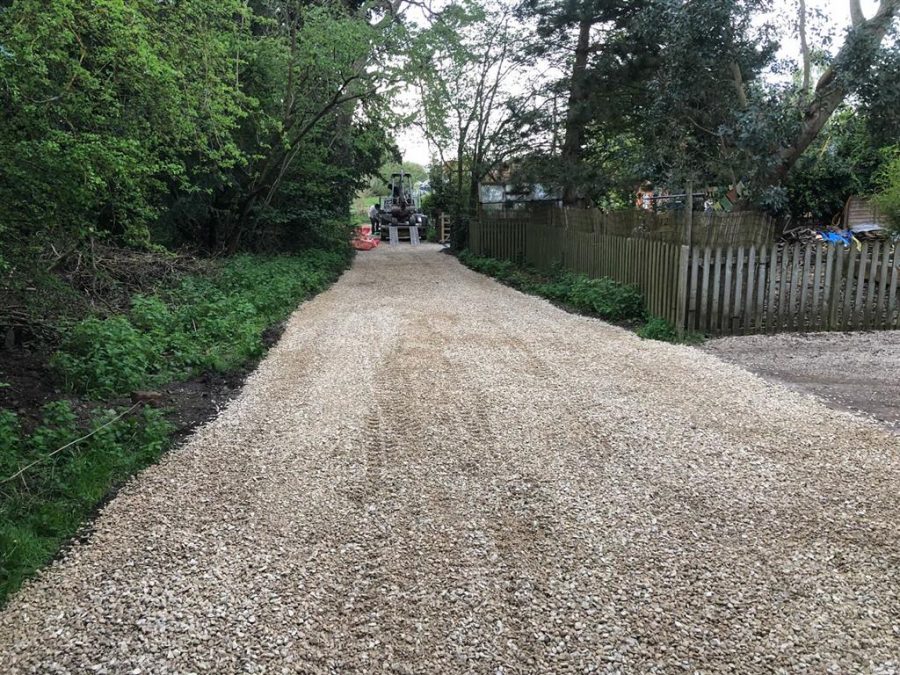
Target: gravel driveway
(856,371)
(432,473)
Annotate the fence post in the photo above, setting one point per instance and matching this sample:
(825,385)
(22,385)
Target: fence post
(684,261)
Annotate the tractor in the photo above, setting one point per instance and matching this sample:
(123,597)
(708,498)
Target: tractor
(401,208)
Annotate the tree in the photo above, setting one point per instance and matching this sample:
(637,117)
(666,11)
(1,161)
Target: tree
(589,38)
(856,57)
(106,107)
(843,161)
(186,120)
(465,66)
(688,87)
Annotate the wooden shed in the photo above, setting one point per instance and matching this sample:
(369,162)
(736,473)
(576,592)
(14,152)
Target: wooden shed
(861,216)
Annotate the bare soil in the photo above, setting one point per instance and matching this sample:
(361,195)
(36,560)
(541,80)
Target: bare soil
(433,473)
(187,404)
(859,372)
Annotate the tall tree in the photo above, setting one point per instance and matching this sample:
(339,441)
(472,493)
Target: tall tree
(588,40)
(857,56)
(477,111)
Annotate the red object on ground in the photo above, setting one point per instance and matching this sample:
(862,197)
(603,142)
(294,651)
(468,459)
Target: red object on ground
(364,241)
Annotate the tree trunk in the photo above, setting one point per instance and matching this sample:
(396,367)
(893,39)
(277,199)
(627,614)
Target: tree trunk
(576,117)
(832,88)
(804,51)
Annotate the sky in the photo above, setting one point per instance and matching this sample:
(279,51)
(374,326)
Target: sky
(414,147)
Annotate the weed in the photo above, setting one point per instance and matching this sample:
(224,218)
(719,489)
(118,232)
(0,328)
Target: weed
(205,324)
(46,504)
(603,297)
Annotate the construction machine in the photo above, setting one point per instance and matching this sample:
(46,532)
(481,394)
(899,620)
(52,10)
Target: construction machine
(402,208)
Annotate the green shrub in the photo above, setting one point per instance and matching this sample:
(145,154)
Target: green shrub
(607,299)
(888,198)
(105,357)
(559,287)
(206,324)
(658,328)
(47,504)
(602,297)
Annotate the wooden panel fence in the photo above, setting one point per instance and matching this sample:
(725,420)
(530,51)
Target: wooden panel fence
(740,286)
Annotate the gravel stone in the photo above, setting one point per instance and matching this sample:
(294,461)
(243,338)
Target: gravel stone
(434,473)
(859,371)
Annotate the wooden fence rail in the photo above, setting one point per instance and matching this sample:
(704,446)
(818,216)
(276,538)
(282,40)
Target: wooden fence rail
(739,287)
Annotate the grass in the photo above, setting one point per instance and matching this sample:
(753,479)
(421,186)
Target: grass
(45,506)
(359,209)
(204,324)
(604,298)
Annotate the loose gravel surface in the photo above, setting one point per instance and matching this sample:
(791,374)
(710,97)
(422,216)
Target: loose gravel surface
(855,371)
(432,473)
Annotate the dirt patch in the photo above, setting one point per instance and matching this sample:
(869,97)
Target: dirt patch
(188,404)
(29,383)
(198,400)
(859,372)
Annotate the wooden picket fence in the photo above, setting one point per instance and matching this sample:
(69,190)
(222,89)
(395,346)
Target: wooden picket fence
(740,284)
(792,287)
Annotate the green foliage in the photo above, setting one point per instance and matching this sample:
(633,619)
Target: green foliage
(216,125)
(605,298)
(667,91)
(106,103)
(888,197)
(843,162)
(658,328)
(47,504)
(205,324)
(107,357)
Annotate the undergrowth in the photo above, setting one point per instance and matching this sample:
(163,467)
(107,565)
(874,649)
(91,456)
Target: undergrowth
(206,323)
(44,506)
(604,298)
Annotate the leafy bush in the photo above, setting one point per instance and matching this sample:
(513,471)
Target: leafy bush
(105,357)
(888,199)
(603,297)
(607,299)
(48,502)
(658,328)
(206,324)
